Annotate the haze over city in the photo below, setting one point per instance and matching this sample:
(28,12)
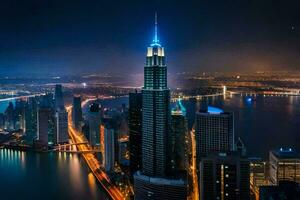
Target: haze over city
(70,37)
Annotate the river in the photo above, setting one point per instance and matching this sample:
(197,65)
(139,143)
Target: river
(28,175)
(264,123)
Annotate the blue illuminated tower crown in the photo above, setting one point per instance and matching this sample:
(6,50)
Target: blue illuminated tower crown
(155,40)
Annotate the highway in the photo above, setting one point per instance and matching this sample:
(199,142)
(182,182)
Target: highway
(90,158)
(193,167)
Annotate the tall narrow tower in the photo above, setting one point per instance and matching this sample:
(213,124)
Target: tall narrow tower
(156,110)
(152,182)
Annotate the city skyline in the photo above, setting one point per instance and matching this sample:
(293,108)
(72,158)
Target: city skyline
(61,38)
(193,135)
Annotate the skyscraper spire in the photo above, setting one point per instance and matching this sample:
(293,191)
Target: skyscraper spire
(155,37)
(155,40)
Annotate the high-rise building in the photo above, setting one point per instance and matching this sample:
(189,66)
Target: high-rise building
(43,125)
(152,181)
(176,141)
(94,119)
(9,117)
(284,165)
(156,111)
(61,125)
(31,119)
(135,131)
(19,113)
(224,176)
(109,150)
(214,132)
(59,100)
(258,176)
(77,113)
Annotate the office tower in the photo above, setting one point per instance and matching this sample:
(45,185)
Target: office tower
(176,140)
(156,111)
(224,176)
(47,102)
(135,131)
(31,119)
(43,125)
(77,113)
(9,117)
(287,190)
(284,165)
(109,150)
(258,175)
(94,119)
(19,114)
(59,100)
(151,182)
(61,125)
(214,132)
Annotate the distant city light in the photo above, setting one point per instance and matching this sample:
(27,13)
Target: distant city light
(84,85)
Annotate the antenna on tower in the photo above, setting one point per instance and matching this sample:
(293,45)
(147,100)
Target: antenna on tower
(155,41)
(155,36)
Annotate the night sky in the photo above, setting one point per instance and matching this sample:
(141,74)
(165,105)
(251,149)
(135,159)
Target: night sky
(59,37)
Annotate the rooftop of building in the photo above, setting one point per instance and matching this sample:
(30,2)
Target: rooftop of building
(285,153)
(211,110)
(160,180)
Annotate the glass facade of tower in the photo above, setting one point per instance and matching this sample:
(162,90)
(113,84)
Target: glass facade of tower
(156,112)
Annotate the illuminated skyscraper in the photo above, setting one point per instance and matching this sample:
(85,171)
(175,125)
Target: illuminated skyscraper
(224,176)
(176,140)
(214,132)
(284,165)
(152,181)
(156,110)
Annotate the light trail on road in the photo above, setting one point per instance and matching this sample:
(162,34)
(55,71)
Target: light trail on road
(194,168)
(90,158)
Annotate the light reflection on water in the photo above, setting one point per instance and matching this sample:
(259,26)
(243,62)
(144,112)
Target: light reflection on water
(46,176)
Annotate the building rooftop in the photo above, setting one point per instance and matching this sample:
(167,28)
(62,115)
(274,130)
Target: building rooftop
(214,110)
(285,153)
